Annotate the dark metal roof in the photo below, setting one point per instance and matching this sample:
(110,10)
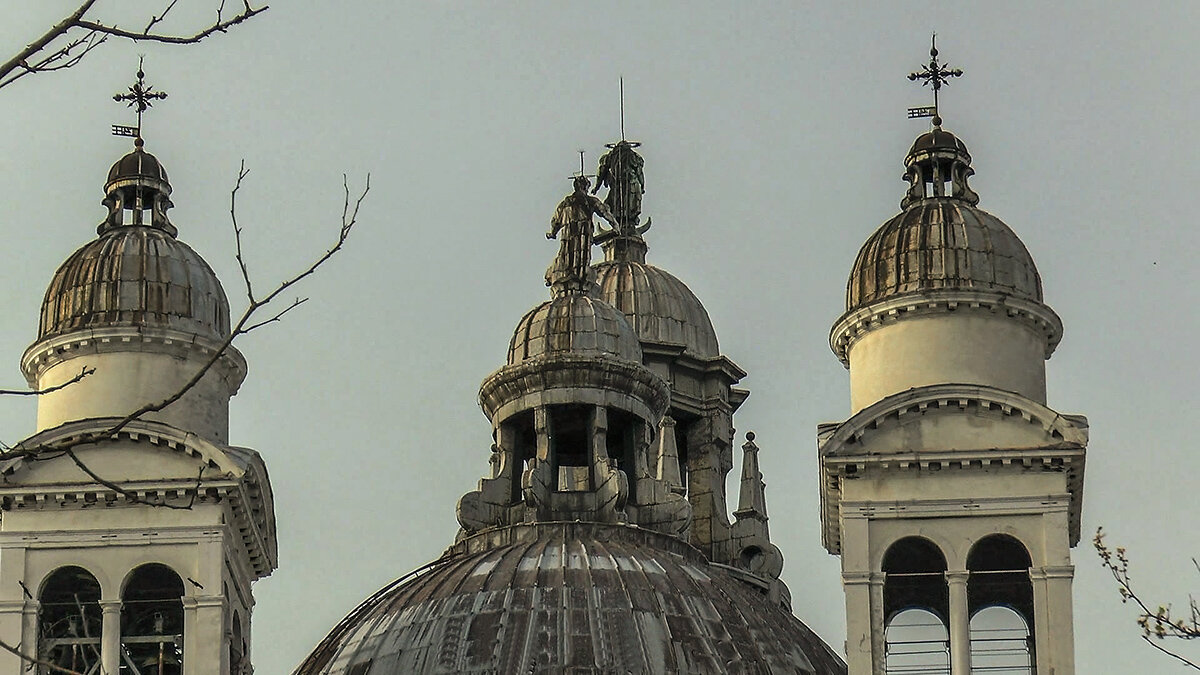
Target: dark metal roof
(138,167)
(135,276)
(942,243)
(661,308)
(573,323)
(938,139)
(572,597)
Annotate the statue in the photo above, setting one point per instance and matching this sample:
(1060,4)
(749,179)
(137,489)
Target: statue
(572,267)
(620,170)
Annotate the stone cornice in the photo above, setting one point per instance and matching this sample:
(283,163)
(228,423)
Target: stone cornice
(844,456)
(952,396)
(55,350)
(512,384)
(854,324)
(241,482)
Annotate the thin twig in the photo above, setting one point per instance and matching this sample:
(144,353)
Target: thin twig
(48,390)
(36,661)
(27,61)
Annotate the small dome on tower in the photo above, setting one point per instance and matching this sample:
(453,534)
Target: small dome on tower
(136,273)
(574,323)
(942,245)
(941,240)
(135,276)
(138,168)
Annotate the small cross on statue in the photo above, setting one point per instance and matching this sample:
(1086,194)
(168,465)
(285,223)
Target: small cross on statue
(140,96)
(933,75)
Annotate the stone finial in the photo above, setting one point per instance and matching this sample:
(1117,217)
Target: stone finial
(668,455)
(752,499)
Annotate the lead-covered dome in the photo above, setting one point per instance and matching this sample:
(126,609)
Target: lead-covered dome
(572,597)
(942,244)
(941,240)
(660,307)
(573,323)
(135,276)
(136,273)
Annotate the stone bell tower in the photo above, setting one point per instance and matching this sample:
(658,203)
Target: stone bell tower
(952,493)
(129,544)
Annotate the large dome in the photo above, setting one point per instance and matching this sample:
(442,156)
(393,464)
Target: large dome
(571,597)
(661,307)
(135,276)
(942,244)
(573,323)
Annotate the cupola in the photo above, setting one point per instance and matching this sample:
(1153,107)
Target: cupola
(142,309)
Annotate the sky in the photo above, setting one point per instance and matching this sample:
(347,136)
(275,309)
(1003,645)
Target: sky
(773,134)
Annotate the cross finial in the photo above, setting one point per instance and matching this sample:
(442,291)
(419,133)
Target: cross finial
(933,75)
(140,96)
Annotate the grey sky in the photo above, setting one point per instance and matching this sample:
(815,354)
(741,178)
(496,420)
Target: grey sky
(773,135)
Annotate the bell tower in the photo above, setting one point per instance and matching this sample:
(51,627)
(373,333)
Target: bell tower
(953,492)
(128,543)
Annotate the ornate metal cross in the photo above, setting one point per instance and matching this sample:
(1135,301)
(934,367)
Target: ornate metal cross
(933,75)
(140,96)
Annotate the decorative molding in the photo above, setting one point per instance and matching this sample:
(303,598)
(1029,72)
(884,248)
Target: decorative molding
(52,351)
(854,324)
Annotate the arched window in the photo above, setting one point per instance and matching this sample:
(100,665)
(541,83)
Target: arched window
(1000,601)
(70,621)
(915,606)
(917,643)
(152,622)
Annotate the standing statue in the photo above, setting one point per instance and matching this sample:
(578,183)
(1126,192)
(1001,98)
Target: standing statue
(573,217)
(620,171)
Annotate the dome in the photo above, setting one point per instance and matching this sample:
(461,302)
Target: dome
(938,244)
(571,597)
(138,168)
(938,140)
(574,323)
(660,307)
(135,276)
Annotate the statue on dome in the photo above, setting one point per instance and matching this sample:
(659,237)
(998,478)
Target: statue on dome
(620,170)
(573,217)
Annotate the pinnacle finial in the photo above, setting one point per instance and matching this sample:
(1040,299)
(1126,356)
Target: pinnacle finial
(140,96)
(934,75)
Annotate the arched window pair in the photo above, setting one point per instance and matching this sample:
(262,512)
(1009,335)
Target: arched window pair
(70,622)
(999,601)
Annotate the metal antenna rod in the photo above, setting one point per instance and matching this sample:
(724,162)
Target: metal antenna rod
(621,81)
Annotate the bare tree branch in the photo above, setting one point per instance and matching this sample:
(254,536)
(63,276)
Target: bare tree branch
(48,390)
(1156,624)
(36,661)
(27,60)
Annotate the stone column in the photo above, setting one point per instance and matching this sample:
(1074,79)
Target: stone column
(204,651)
(11,624)
(29,629)
(110,636)
(960,624)
(878,630)
(860,657)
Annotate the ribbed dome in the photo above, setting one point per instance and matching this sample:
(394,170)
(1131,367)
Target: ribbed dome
(135,276)
(574,323)
(660,306)
(942,243)
(571,597)
(938,139)
(138,166)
